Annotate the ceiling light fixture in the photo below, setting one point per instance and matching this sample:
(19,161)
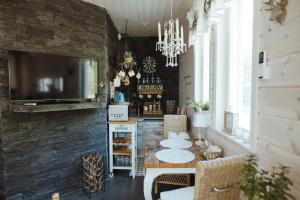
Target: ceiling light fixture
(173,43)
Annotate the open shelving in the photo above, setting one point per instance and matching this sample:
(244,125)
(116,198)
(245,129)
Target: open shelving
(122,146)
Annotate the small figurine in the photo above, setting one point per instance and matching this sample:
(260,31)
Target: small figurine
(278,10)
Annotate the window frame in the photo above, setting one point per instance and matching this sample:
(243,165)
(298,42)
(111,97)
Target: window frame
(219,77)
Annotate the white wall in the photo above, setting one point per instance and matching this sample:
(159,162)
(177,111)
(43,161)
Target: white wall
(230,146)
(186,72)
(278,100)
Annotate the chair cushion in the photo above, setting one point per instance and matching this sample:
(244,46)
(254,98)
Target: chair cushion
(186,193)
(180,135)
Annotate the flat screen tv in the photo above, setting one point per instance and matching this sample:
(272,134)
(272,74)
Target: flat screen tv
(36,76)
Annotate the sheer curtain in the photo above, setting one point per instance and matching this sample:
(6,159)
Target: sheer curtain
(241,63)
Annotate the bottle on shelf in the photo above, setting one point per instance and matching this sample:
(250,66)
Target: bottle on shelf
(127,159)
(158,81)
(158,105)
(154,105)
(122,161)
(152,79)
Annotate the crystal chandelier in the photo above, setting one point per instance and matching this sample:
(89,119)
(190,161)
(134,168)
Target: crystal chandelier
(173,43)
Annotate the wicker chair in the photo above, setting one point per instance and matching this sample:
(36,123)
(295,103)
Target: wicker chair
(175,123)
(217,179)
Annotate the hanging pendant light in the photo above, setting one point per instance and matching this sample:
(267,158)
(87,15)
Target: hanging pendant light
(173,43)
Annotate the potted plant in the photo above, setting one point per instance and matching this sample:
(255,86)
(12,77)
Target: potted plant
(259,184)
(199,106)
(201,115)
(128,57)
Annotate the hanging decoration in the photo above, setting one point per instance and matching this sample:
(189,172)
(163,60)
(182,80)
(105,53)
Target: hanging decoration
(278,10)
(173,43)
(127,65)
(207,6)
(128,59)
(198,17)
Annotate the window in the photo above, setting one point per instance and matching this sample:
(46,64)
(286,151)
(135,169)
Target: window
(206,66)
(202,62)
(232,75)
(241,61)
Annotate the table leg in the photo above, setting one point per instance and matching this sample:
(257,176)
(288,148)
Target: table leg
(152,173)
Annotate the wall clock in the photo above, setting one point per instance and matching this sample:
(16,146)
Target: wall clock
(149,65)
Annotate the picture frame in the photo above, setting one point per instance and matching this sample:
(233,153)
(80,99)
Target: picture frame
(230,122)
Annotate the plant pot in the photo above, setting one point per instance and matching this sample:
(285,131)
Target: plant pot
(128,60)
(196,109)
(201,119)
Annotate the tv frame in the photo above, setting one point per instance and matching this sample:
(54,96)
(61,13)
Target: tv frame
(51,101)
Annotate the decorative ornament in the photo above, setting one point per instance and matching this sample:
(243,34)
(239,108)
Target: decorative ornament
(149,65)
(138,75)
(198,18)
(126,80)
(127,63)
(192,17)
(173,44)
(207,6)
(278,10)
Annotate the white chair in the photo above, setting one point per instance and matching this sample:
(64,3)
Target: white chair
(217,179)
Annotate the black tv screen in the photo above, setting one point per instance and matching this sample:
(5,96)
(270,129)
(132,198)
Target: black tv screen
(35,76)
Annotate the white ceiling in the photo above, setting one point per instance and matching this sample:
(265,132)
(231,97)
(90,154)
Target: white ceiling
(143,15)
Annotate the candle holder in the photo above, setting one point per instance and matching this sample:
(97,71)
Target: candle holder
(92,173)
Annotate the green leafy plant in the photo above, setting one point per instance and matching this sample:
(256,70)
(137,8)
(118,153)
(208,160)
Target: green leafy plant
(259,184)
(127,54)
(249,180)
(203,106)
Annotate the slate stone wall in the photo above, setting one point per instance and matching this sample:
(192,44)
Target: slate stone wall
(1,165)
(40,152)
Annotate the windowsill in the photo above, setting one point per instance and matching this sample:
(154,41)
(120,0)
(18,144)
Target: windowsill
(238,142)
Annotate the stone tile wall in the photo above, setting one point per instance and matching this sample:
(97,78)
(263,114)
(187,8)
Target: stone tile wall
(40,152)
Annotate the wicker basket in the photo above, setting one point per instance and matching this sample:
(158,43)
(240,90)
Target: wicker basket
(213,155)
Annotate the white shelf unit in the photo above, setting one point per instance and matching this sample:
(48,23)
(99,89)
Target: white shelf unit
(123,154)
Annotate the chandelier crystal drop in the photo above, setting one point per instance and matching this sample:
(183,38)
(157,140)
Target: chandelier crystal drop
(173,43)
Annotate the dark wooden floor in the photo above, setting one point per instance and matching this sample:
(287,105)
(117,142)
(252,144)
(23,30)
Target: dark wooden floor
(119,187)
